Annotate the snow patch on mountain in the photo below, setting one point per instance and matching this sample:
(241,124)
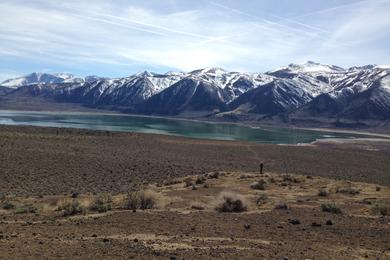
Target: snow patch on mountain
(309,67)
(41,78)
(385,83)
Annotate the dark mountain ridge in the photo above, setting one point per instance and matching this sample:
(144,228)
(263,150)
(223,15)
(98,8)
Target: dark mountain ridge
(309,91)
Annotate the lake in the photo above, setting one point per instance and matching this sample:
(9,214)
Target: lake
(157,125)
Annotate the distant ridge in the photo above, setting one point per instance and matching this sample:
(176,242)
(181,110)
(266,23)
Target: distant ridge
(309,91)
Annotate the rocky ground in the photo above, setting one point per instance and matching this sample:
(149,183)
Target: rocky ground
(71,194)
(50,161)
(283,219)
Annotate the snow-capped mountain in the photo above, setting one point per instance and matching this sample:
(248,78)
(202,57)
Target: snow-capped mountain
(92,78)
(232,83)
(309,90)
(188,94)
(278,96)
(310,67)
(41,78)
(360,93)
(120,92)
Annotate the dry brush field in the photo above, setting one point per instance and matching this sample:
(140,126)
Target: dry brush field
(80,194)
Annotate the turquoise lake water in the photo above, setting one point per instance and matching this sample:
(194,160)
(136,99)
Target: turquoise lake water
(167,126)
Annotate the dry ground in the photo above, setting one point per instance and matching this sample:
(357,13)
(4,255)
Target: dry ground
(185,224)
(50,161)
(43,167)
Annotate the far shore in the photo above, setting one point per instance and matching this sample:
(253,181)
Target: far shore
(261,125)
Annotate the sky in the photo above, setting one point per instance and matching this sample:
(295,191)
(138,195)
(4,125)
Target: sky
(120,38)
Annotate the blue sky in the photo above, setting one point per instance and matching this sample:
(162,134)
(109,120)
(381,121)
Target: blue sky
(119,38)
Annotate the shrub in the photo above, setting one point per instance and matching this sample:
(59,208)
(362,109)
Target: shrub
(213,175)
(290,178)
(286,177)
(101,203)
(171,182)
(144,199)
(230,202)
(332,208)
(381,208)
(200,180)
(188,182)
(272,180)
(281,205)
(70,207)
(347,190)
(25,209)
(131,201)
(8,205)
(263,198)
(197,206)
(258,185)
(323,193)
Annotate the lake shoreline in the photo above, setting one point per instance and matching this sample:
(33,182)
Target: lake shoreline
(263,126)
(199,135)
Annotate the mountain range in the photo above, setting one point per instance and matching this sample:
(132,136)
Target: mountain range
(295,93)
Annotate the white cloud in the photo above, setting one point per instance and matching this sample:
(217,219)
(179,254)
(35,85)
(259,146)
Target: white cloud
(78,33)
(369,21)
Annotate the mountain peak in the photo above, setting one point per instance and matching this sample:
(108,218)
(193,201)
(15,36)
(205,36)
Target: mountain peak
(309,62)
(308,67)
(209,70)
(41,78)
(213,89)
(174,73)
(92,78)
(144,73)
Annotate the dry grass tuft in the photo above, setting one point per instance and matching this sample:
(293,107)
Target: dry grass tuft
(258,185)
(170,182)
(381,208)
(213,175)
(70,207)
(262,199)
(281,205)
(290,178)
(101,203)
(323,193)
(25,209)
(347,190)
(8,205)
(272,180)
(188,182)
(200,180)
(332,208)
(198,205)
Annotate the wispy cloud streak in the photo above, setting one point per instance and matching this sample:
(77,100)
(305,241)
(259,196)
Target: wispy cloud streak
(120,37)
